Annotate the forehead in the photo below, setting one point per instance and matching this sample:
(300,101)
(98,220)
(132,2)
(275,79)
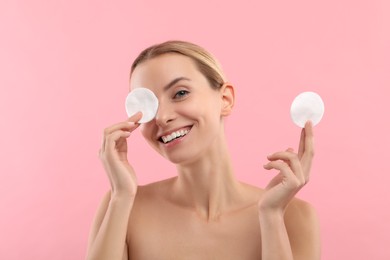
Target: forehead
(162,69)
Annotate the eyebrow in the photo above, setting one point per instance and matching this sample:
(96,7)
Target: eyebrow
(173,82)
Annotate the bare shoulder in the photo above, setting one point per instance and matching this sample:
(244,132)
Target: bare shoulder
(154,189)
(297,210)
(253,192)
(149,201)
(300,210)
(153,194)
(303,228)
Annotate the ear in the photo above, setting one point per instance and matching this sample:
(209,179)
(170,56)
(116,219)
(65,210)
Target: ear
(227,95)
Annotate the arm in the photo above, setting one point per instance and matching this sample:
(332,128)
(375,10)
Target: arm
(289,229)
(107,239)
(108,233)
(296,235)
(275,241)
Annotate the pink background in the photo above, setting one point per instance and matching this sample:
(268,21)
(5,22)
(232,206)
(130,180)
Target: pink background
(64,78)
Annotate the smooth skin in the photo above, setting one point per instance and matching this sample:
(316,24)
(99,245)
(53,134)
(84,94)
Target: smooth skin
(204,212)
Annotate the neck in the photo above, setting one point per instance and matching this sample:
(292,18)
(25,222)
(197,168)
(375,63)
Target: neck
(208,185)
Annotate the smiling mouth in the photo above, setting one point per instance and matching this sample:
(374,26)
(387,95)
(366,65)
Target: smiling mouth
(174,135)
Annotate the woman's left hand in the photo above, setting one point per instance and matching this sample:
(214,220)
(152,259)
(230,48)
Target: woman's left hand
(294,173)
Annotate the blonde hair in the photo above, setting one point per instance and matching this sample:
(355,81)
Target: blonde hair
(203,60)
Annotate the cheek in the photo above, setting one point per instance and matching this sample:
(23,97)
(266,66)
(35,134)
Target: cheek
(190,109)
(206,114)
(209,108)
(204,106)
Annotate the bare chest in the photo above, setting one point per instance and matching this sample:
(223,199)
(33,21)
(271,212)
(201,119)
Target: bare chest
(170,233)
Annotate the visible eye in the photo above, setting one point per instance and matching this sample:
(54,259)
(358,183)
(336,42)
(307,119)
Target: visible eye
(181,94)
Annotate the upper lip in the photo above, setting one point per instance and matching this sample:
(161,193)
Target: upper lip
(168,132)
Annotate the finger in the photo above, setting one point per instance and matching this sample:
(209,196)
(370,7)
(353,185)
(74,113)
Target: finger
(289,179)
(301,148)
(122,126)
(290,150)
(275,180)
(136,117)
(277,155)
(129,125)
(283,167)
(125,126)
(308,154)
(112,139)
(287,156)
(309,138)
(291,159)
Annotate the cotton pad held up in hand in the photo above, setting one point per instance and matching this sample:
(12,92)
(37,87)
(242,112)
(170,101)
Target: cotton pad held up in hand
(307,106)
(144,100)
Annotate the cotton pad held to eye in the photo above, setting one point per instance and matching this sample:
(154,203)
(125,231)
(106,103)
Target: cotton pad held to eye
(307,106)
(144,100)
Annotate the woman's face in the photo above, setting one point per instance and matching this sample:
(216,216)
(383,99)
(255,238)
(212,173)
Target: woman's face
(189,117)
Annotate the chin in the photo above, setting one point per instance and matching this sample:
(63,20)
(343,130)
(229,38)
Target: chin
(180,158)
(177,159)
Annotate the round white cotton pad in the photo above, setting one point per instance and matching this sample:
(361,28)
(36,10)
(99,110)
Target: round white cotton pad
(307,106)
(144,100)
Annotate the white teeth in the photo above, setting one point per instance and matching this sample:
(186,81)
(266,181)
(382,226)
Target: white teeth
(170,137)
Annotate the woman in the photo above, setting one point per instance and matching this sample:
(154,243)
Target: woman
(204,212)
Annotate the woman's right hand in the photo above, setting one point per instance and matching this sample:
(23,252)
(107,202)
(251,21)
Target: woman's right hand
(113,155)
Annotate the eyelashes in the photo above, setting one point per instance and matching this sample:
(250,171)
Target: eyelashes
(181,94)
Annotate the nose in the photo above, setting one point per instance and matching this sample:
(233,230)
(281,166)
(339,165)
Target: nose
(165,114)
